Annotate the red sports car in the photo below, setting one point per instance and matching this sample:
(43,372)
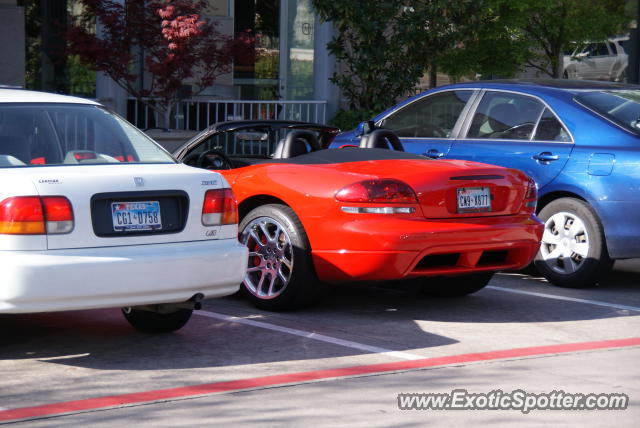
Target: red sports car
(312,215)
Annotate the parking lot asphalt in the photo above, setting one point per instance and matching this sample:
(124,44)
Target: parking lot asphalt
(342,362)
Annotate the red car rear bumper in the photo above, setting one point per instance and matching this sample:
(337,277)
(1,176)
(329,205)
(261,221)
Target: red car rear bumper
(388,249)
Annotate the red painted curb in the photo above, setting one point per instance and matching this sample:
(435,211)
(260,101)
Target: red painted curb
(300,377)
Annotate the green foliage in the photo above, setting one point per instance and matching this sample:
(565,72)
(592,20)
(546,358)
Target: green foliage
(82,80)
(349,119)
(550,25)
(536,32)
(494,46)
(266,66)
(385,46)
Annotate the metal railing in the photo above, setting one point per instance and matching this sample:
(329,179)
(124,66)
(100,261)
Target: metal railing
(198,114)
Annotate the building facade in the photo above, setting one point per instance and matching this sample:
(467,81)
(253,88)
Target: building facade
(290,62)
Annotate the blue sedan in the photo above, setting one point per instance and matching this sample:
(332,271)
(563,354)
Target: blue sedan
(579,140)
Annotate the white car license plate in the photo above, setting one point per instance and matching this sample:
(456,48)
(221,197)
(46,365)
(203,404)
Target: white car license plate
(474,199)
(136,216)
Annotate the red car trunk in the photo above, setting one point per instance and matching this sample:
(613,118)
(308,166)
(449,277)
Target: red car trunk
(446,190)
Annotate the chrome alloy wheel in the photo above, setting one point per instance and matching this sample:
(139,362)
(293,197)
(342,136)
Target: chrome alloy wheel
(565,243)
(270,257)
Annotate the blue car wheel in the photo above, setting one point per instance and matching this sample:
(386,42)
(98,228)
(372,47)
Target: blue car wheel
(573,252)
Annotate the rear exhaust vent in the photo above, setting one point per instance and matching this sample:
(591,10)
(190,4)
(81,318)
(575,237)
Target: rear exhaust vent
(438,261)
(493,257)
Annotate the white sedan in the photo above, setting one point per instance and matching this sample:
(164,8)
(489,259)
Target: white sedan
(94,214)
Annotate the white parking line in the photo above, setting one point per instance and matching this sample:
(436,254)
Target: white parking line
(61,357)
(311,335)
(568,299)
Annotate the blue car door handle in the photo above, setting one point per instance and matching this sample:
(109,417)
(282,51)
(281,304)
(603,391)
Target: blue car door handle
(546,157)
(434,154)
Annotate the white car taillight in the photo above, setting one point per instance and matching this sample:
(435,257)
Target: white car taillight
(219,207)
(36,215)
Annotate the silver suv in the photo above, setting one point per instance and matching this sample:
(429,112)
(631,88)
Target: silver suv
(605,60)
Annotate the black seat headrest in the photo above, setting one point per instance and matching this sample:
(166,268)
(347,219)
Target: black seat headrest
(381,139)
(296,143)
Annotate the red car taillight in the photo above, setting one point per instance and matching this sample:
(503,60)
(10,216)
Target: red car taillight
(531,196)
(381,191)
(34,215)
(219,207)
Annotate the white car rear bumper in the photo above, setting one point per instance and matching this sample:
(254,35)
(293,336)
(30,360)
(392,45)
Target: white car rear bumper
(87,278)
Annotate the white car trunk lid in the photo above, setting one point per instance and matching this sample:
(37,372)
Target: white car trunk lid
(175,193)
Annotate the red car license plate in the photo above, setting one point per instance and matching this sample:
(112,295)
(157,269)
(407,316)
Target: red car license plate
(474,199)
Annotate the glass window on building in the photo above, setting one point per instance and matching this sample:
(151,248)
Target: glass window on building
(277,58)
(47,68)
(256,69)
(299,59)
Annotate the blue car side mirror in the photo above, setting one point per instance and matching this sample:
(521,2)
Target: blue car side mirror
(365,127)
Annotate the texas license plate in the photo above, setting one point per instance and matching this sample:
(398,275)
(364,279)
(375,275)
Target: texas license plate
(136,216)
(474,199)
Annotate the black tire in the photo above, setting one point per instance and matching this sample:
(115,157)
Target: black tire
(455,286)
(280,274)
(530,270)
(155,322)
(573,252)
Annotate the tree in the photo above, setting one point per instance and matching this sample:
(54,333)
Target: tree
(493,45)
(534,32)
(385,47)
(169,37)
(552,25)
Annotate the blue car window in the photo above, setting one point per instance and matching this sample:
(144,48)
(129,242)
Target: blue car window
(619,106)
(550,129)
(433,116)
(505,116)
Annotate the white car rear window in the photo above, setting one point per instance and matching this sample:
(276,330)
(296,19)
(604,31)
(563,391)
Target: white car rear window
(71,134)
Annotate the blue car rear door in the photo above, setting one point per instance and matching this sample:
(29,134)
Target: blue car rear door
(517,131)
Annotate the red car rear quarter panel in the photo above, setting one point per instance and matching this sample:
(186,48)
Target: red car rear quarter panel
(308,189)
